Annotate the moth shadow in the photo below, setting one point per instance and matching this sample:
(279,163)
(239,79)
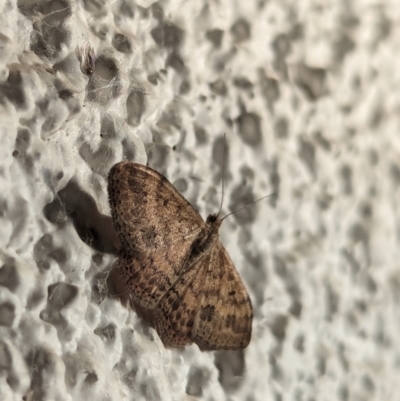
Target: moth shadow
(94,228)
(117,289)
(231,366)
(73,203)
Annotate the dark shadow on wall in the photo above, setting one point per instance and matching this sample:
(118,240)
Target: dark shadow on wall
(94,228)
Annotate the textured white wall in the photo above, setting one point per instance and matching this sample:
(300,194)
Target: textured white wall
(308,96)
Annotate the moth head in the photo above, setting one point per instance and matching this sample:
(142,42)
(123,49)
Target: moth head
(213,220)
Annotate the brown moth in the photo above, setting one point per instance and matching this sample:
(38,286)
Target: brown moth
(174,265)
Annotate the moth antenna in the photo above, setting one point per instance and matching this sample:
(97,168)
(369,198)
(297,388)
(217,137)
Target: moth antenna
(223,176)
(250,204)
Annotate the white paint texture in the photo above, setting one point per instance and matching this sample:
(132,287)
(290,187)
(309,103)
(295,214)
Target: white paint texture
(308,96)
